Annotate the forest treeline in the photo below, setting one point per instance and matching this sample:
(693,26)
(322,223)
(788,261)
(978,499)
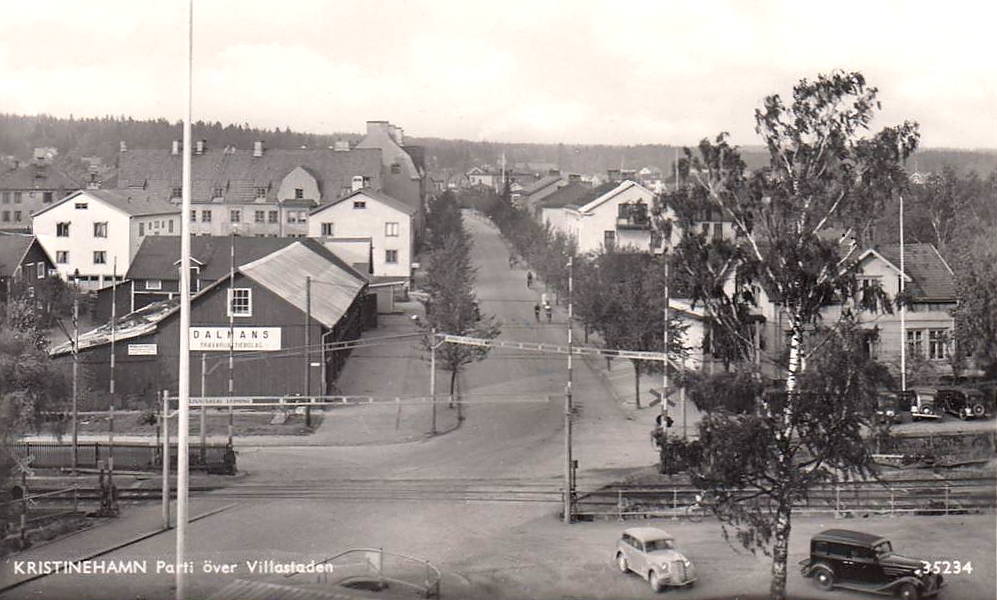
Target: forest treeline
(100,136)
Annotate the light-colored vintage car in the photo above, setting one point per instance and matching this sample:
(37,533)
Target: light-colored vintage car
(650,552)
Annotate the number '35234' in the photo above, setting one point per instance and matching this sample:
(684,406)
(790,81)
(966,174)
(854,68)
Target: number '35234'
(947,567)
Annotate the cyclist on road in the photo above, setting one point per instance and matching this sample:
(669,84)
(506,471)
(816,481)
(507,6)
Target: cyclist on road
(549,311)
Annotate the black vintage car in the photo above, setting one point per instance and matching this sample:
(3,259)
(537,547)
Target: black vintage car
(965,404)
(853,560)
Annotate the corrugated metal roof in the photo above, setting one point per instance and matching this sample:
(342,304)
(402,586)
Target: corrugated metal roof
(283,272)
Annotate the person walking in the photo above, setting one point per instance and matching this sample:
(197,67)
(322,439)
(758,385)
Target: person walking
(536,312)
(529,279)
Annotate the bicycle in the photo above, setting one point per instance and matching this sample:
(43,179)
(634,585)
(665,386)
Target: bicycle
(697,511)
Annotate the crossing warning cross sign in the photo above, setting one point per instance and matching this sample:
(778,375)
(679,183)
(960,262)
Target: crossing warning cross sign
(22,465)
(657,398)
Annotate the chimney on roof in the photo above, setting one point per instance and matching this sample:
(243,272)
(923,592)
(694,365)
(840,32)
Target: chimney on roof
(176,148)
(397,134)
(122,146)
(356,183)
(199,147)
(342,146)
(379,127)
(258,148)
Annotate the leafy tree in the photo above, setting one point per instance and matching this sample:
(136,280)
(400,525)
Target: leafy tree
(452,307)
(623,296)
(976,313)
(795,221)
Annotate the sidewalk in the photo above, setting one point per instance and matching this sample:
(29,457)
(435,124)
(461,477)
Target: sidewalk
(137,523)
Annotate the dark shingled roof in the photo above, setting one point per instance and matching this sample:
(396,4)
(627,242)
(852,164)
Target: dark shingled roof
(239,173)
(576,194)
(24,178)
(12,251)
(933,279)
(541,183)
(158,255)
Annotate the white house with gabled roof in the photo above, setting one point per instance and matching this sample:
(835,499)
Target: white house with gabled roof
(96,233)
(388,224)
(618,218)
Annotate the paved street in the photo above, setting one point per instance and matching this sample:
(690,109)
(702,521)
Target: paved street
(294,505)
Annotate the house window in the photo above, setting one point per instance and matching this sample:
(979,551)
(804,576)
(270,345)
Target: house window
(391,257)
(272,216)
(937,342)
(235,216)
(915,342)
(17,216)
(6,216)
(6,197)
(99,257)
(259,216)
(169,225)
(868,289)
(206,215)
(141,229)
(47,197)
(62,229)
(153,284)
(261,192)
(396,168)
(391,229)
(62,257)
(299,193)
(17,198)
(327,230)
(177,193)
(359,204)
(40,270)
(80,206)
(195,280)
(609,239)
(240,302)
(218,192)
(718,232)
(193,215)
(100,230)
(297,216)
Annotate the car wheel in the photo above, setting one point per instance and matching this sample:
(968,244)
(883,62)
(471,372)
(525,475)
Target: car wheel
(928,410)
(655,582)
(979,411)
(621,562)
(909,592)
(823,577)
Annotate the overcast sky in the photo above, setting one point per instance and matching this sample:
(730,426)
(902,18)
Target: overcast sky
(572,71)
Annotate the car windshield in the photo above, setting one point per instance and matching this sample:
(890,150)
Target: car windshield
(655,545)
(883,548)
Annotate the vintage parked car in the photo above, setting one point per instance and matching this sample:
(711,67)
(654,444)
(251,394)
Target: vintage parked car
(887,408)
(650,552)
(853,560)
(965,404)
(923,403)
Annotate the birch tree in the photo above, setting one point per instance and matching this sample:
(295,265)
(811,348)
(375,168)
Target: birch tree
(795,222)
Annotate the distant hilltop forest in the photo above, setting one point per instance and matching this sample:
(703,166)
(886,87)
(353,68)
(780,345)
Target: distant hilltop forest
(100,137)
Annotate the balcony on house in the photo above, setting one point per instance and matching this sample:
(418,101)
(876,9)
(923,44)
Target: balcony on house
(633,216)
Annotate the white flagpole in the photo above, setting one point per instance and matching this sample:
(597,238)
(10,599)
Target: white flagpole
(903,306)
(183,384)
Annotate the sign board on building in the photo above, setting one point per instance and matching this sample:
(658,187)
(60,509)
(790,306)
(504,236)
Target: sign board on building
(142,350)
(217,339)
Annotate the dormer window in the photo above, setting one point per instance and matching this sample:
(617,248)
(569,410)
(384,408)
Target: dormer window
(177,192)
(218,193)
(396,168)
(261,192)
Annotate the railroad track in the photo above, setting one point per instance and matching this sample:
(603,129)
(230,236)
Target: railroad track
(591,496)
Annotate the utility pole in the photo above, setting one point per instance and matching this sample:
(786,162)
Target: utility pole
(664,376)
(76,368)
(165,424)
(432,377)
(569,488)
(183,417)
(308,350)
(204,408)
(114,316)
